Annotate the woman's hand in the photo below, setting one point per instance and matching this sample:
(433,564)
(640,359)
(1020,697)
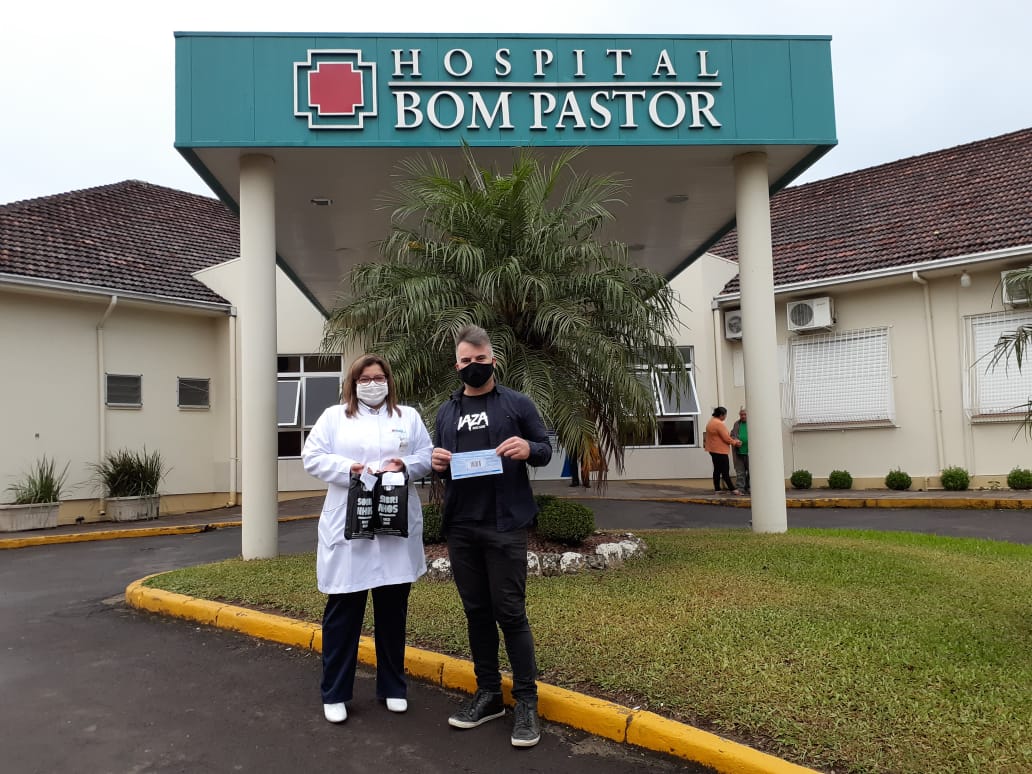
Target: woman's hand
(357,469)
(393,464)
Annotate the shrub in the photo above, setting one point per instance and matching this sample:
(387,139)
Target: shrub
(955,479)
(42,484)
(1020,478)
(801,479)
(432,524)
(840,479)
(125,473)
(565,521)
(544,500)
(898,480)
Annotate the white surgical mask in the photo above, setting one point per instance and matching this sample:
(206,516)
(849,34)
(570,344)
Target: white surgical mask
(371,394)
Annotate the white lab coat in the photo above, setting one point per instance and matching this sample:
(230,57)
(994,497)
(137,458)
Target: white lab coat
(334,445)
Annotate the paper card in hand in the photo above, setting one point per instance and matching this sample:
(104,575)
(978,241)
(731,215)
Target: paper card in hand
(392,504)
(361,514)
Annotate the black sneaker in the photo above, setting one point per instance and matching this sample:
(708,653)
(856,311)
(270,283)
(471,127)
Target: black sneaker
(484,706)
(526,729)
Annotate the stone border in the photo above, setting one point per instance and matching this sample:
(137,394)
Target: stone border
(606,556)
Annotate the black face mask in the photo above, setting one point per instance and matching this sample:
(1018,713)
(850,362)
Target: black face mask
(477,374)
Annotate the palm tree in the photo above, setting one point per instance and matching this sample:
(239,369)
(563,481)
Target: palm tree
(1015,344)
(518,253)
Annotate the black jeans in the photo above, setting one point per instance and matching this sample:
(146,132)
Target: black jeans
(721,470)
(342,627)
(490,570)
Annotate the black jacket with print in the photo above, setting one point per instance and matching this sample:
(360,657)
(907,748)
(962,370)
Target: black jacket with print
(509,413)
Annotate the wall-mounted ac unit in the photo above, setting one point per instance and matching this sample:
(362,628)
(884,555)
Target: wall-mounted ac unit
(1013,293)
(733,324)
(812,314)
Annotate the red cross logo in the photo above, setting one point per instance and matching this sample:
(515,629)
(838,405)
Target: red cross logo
(335,88)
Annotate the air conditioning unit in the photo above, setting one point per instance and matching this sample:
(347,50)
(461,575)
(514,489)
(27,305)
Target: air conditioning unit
(733,324)
(1014,294)
(812,314)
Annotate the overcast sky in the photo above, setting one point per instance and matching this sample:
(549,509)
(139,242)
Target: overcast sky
(86,88)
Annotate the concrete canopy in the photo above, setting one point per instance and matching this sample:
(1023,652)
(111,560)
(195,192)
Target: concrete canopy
(301,134)
(695,103)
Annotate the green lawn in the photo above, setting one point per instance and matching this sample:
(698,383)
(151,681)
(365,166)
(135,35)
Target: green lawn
(858,651)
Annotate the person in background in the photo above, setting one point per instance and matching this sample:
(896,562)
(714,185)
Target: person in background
(571,469)
(371,433)
(718,443)
(485,519)
(740,454)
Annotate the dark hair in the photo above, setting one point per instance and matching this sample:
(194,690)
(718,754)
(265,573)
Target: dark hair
(349,396)
(473,334)
(720,411)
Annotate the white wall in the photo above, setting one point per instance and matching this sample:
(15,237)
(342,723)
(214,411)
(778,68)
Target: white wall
(299,329)
(987,450)
(53,399)
(695,286)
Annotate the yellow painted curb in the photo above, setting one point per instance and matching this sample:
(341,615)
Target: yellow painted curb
(647,729)
(596,716)
(133,532)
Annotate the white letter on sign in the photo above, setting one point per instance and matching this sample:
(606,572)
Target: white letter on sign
(411,108)
(480,108)
(541,98)
(399,62)
(448,63)
(431,109)
(699,109)
(543,57)
(504,65)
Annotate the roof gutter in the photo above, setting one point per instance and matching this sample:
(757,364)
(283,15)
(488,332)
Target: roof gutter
(906,270)
(73,288)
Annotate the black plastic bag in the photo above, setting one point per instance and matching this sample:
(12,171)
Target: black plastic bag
(361,515)
(391,508)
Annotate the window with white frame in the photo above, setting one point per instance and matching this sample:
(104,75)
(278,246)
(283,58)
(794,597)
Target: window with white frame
(840,379)
(1001,391)
(123,390)
(305,386)
(193,393)
(677,413)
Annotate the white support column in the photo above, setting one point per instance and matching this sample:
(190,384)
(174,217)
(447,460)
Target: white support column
(257,308)
(760,344)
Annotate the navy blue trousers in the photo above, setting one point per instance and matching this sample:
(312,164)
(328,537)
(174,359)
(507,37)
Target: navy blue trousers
(342,628)
(490,571)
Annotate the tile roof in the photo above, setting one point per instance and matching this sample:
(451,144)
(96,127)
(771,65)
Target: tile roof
(132,236)
(973,198)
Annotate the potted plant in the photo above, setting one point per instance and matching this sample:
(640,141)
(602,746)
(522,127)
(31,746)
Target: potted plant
(37,496)
(130,480)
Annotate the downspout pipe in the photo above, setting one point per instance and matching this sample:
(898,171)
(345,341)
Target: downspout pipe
(717,352)
(933,368)
(101,397)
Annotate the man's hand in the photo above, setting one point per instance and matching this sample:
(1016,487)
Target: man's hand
(440,459)
(514,448)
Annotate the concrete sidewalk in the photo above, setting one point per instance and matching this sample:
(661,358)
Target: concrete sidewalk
(643,491)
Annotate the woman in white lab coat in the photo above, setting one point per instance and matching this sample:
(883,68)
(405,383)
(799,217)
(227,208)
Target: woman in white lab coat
(368,432)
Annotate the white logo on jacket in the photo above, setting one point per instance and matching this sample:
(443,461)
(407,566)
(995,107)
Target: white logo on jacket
(473,421)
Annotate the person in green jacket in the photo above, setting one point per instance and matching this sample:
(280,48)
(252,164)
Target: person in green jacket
(740,454)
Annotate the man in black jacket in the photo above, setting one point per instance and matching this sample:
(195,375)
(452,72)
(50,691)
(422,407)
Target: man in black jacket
(485,437)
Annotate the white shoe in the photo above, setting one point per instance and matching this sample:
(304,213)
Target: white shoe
(335,713)
(397,705)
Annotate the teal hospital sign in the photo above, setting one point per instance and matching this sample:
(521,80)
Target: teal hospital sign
(348,90)
(337,89)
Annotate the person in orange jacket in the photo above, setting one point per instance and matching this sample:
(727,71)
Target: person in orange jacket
(718,443)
